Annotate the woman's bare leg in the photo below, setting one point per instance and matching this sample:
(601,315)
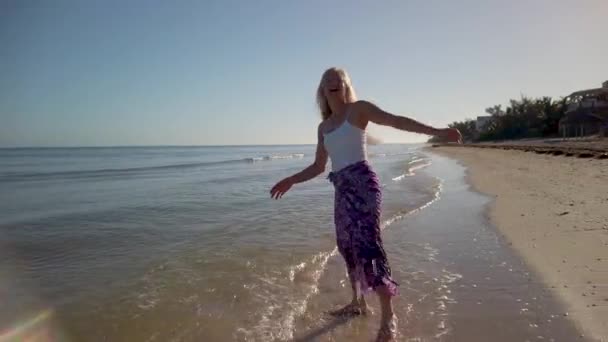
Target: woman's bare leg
(388,321)
(358,305)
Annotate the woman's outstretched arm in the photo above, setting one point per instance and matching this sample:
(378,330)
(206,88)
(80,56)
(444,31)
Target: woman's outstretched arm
(312,171)
(376,115)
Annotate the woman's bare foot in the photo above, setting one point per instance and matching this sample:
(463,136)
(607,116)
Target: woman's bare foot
(355,308)
(388,330)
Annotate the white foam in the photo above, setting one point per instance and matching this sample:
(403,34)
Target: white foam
(402,214)
(384,155)
(377,155)
(451,277)
(398,178)
(294,269)
(413,165)
(411,170)
(150,296)
(442,330)
(277,319)
(275,157)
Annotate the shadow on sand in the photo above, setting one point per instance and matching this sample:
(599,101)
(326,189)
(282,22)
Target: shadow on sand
(317,332)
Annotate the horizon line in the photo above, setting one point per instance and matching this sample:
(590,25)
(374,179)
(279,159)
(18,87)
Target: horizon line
(149,146)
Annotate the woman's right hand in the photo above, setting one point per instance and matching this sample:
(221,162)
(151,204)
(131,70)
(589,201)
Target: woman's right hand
(281,188)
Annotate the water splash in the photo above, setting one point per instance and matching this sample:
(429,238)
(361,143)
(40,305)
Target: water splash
(277,321)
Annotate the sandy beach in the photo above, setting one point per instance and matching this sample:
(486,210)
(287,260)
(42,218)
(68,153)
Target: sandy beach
(554,212)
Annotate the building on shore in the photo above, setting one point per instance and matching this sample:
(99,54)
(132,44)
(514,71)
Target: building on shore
(587,113)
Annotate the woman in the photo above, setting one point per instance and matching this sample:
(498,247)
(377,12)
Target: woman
(341,136)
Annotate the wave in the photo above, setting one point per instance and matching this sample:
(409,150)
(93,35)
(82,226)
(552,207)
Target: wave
(274,157)
(285,298)
(131,170)
(413,165)
(437,190)
(384,155)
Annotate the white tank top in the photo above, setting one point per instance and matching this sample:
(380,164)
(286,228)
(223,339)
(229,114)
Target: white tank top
(345,145)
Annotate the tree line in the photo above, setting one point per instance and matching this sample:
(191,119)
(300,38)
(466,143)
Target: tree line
(523,118)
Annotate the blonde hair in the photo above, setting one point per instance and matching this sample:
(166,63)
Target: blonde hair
(322,100)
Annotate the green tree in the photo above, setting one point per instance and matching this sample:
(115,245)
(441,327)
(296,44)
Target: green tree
(522,118)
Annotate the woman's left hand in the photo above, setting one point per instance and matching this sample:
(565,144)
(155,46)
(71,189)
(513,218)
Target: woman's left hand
(281,188)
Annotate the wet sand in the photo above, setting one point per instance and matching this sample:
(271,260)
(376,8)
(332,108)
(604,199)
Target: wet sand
(593,143)
(459,279)
(553,210)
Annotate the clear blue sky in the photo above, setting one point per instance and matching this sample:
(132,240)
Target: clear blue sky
(245,72)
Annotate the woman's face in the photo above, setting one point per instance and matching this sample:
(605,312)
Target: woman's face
(334,86)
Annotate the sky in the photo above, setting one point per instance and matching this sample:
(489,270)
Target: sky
(116,73)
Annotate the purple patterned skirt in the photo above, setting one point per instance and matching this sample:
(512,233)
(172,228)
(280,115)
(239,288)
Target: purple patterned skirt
(357,219)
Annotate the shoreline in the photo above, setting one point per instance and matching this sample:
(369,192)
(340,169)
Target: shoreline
(460,280)
(549,209)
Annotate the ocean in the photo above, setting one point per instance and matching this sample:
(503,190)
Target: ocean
(185,244)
